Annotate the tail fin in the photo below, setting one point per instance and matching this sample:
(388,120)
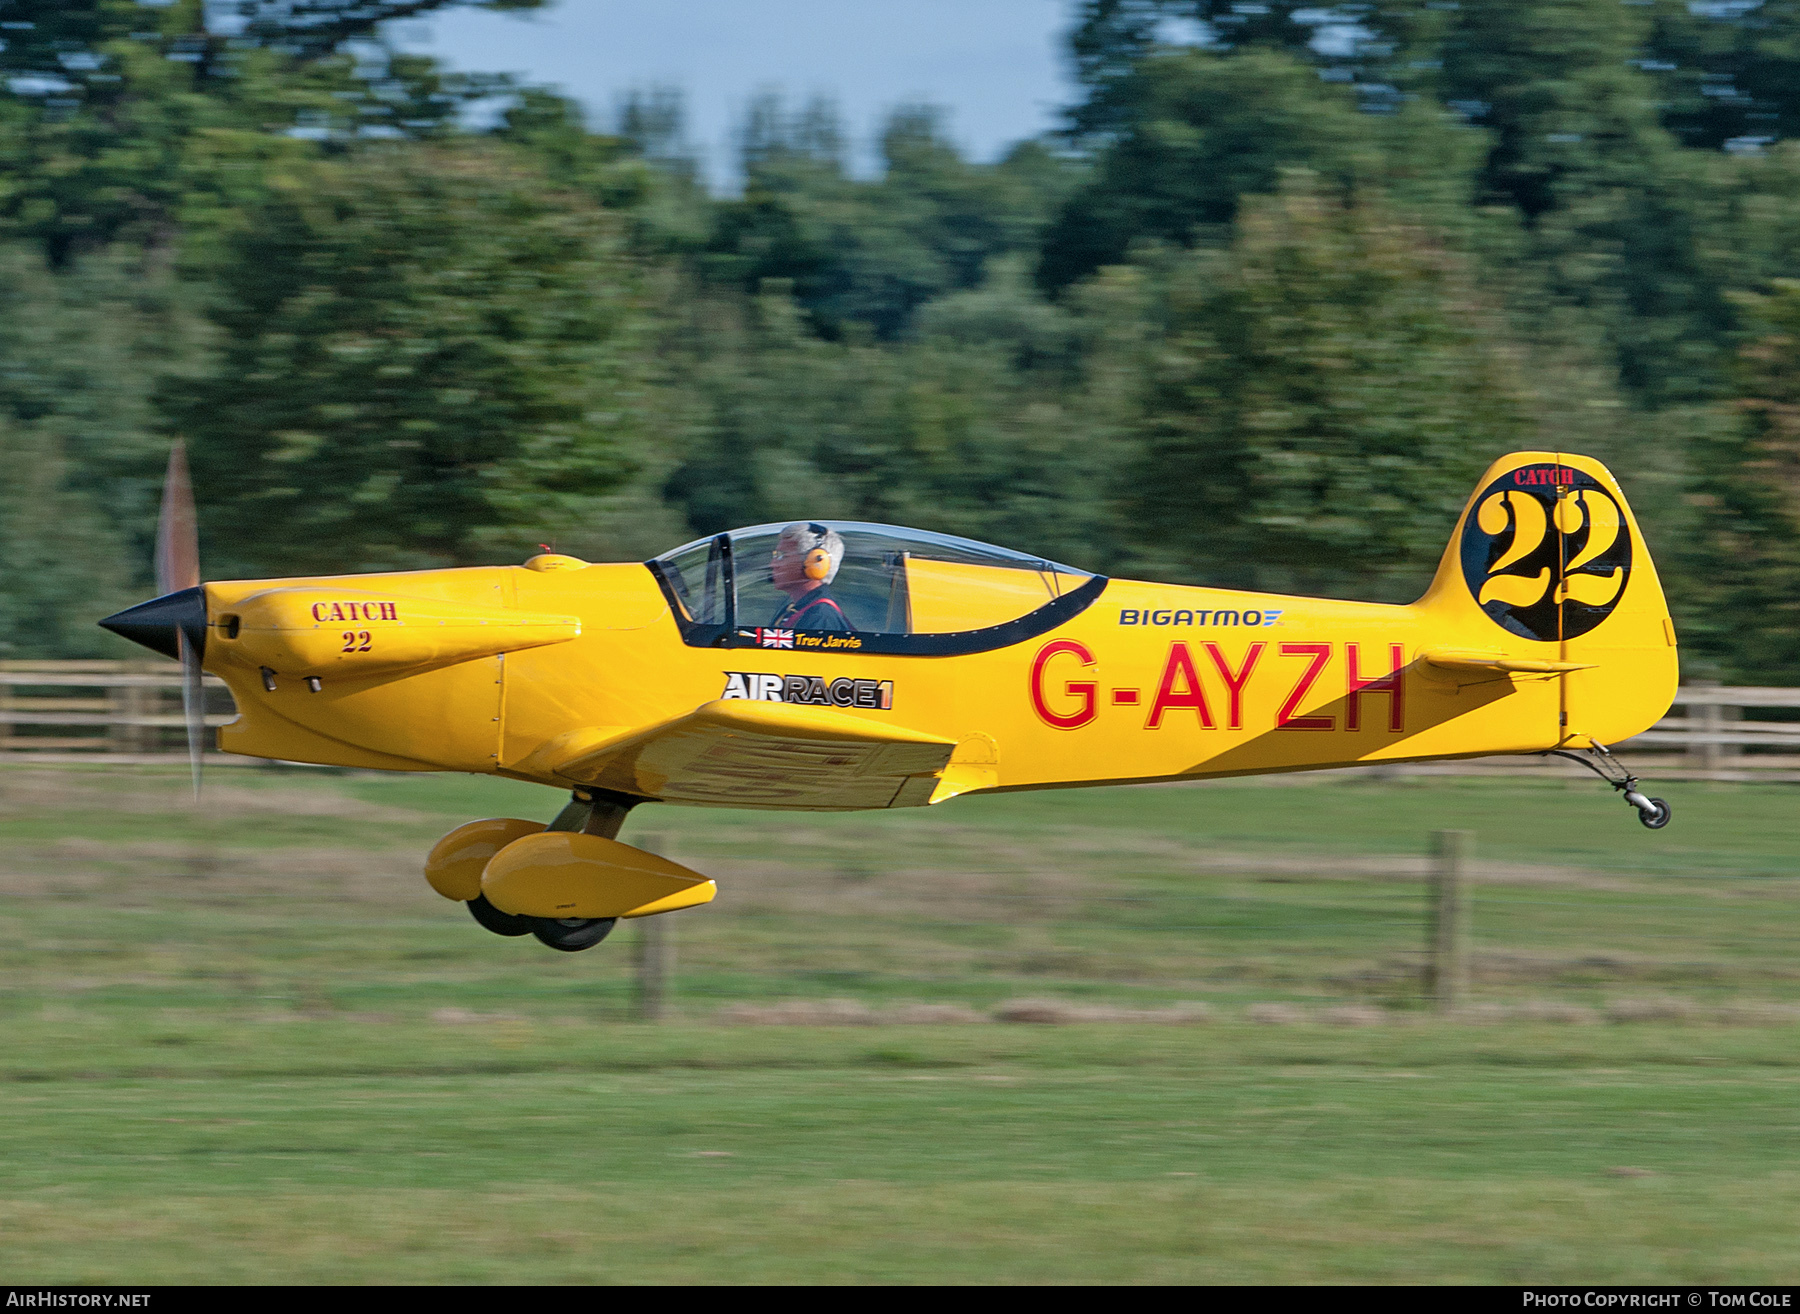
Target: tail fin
(1548,572)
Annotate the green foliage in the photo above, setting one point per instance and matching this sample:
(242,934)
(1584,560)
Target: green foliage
(1745,559)
(973,427)
(1567,111)
(124,120)
(1552,82)
(78,353)
(1577,150)
(1321,399)
(1727,72)
(1290,277)
(422,355)
(872,253)
(62,564)
(321,26)
(1199,131)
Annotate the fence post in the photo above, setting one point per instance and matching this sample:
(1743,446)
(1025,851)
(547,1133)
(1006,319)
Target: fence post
(655,952)
(1711,723)
(122,704)
(1446,973)
(1730,717)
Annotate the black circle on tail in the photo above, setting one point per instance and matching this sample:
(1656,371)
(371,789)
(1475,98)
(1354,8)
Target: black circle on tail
(1546,551)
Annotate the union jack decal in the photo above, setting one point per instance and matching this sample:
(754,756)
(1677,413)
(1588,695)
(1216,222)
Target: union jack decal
(766,638)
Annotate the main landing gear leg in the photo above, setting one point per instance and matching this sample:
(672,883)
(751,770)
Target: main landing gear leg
(592,812)
(1653,812)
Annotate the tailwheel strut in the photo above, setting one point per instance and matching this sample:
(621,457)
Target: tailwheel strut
(1652,812)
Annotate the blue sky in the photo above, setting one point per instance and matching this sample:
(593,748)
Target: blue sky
(998,65)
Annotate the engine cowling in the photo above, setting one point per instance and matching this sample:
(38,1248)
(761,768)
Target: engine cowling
(330,632)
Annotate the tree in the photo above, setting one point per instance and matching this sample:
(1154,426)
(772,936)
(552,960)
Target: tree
(1610,200)
(78,353)
(63,563)
(316,27)
(1568,104)
(1320,399)
(425,355)
(1196,131)
(974,426)
(1727,72)
(1742,604)
(872,253)
(122,120)
(1372,47)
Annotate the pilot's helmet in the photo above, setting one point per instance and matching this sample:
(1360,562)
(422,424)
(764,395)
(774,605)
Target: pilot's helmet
(821,548)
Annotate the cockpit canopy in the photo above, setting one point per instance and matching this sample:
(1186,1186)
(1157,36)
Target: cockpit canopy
(898,590)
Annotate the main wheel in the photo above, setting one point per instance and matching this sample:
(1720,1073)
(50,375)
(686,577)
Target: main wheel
(1658,819)
(572,934)
(500,923)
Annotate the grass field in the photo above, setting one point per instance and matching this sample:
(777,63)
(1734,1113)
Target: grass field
(248,1044)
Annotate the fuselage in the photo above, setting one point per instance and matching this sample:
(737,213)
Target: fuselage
(1147,682)
(1544,627)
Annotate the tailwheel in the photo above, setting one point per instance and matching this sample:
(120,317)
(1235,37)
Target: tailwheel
(500,923)
(571,934)
(1654,813)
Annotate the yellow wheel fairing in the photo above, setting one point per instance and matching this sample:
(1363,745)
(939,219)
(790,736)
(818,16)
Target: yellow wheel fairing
(454,866)
(561,874)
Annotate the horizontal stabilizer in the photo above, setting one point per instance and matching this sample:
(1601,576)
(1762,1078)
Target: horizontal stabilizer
(1480,660)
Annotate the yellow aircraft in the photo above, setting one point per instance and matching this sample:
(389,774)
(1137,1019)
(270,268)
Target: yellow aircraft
(827,665)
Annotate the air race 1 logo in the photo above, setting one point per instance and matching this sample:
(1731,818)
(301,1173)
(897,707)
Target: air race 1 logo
(1546,552)
(815,689)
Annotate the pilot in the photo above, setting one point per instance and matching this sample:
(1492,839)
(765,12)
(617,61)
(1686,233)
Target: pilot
(805,561)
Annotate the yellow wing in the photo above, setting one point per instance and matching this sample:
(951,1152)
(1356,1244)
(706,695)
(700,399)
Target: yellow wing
(741,753)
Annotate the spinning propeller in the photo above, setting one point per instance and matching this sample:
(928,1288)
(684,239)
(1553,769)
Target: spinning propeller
(174,623)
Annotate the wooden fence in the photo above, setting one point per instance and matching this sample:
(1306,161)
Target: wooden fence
(101,712)
(128,712)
